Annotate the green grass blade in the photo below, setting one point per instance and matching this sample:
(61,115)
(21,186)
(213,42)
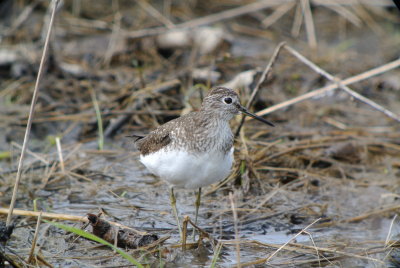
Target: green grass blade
(97,239)
(99,120)
(216,255)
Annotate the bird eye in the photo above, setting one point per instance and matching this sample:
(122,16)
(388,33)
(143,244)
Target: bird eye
(228,100)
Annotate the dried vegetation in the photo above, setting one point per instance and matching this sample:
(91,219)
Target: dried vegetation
(320,189)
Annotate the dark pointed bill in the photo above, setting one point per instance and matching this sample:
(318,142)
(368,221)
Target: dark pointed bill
(244,111)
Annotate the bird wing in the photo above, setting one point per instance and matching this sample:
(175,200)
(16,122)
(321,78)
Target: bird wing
(154,141)
(167,133)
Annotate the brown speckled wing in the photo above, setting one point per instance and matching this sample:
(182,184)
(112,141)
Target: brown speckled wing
(154,141)
(164,135)
(194,132)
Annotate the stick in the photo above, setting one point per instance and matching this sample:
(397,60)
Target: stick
(64,217)
(341,85)
(264,75)
(31,110)
(376,71)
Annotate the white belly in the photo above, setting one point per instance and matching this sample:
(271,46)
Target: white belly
(190,171)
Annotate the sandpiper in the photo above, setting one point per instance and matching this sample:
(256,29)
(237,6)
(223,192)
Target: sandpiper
(196,149)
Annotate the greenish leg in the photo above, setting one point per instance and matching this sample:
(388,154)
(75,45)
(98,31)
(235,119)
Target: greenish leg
(175,211)
(197,204)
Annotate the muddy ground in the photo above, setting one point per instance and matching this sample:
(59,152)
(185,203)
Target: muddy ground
(321,189)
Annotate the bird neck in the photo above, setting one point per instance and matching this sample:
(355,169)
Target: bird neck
(216,114)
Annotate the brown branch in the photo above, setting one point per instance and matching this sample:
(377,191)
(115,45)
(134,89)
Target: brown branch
(263,76)
(341,85)
(321,91)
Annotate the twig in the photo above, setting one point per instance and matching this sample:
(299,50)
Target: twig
(376,71)
(46,215)
(65,217)
(30,259)
(263,76)
(31,111)
(235,221)
(341,85)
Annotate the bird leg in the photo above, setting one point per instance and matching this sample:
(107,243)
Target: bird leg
(175,211)
(197,204)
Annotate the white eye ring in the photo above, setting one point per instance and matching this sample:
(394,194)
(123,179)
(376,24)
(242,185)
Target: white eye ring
(228,100)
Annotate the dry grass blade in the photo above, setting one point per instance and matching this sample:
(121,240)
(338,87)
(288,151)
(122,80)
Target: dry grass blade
(113,39)
(54,4)
(344,12)
(389,235)
(347,254)
(21,18)
(298,18)
(322,161)
(308,17)
(60,154)
(373,213)
(35,155)
(31,253)
(277,14)
(305,249)
(315,246)
(235,221)
(155,13)
(224,15)
(382,3)
(294,237)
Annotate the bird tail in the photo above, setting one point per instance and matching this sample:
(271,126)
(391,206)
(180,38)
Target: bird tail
(136,137)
